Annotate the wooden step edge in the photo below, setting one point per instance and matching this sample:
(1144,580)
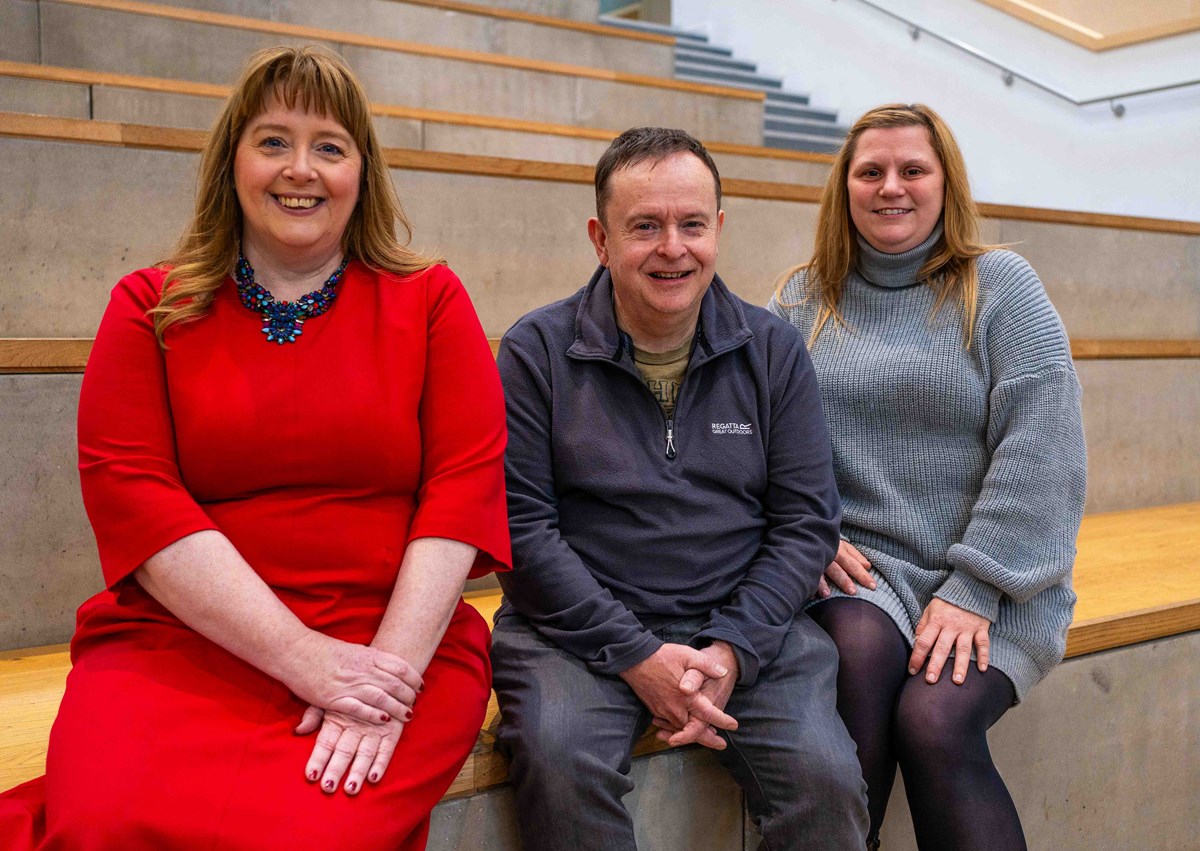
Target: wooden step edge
(544,20)
(50,128)
(221,19)
(1120,630)
(164,85)
(34,355)
(1085,36)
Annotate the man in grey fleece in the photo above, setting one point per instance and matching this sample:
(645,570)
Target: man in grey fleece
(672,507)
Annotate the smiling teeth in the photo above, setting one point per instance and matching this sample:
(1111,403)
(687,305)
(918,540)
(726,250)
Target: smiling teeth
(297,203)
(670,276)
(892,212)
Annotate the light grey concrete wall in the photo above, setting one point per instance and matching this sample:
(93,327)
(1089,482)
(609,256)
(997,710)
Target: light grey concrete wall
(77,218)
(1109,283)
(48,561)
(159,109)
(101,40)
(683,801)
(1102,755)
(64,100)
(575,10)
(1140,421)
(113,41)
(19,23)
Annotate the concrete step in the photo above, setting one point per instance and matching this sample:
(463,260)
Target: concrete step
(686,69)
(775,126)
(110,40)
(551,39)
(801,142)
(713,60)
(774,109)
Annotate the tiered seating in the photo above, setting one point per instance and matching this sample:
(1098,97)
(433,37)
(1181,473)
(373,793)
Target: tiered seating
(100,183)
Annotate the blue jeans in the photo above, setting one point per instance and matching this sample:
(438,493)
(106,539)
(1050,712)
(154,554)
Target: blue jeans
(570,733)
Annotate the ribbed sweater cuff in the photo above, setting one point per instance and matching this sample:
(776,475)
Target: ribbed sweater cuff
(965,591)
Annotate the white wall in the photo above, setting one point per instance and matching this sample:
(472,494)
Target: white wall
(1023,146)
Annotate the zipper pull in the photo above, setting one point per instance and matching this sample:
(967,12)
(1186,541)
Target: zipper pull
(670,440)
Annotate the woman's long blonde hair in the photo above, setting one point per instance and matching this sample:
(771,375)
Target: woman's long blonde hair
(950,269)
(317,80)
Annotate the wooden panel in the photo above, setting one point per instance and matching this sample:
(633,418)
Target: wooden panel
(69,354)
(53,73)
(220,19)
(1104,26)
(62,354)
(544,20)
(1137,575)
(1125,349)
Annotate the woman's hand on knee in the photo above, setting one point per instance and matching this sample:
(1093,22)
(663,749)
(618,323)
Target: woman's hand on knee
(944,627)
(365,683)
(848,566)
(357,750)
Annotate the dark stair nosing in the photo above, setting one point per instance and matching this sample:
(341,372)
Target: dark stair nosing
(805,112)
(745,77)
(699,47)
(805,128)
(715,61)
(786,98)
(713,78)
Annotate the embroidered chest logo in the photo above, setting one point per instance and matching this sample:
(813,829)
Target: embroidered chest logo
(732,428)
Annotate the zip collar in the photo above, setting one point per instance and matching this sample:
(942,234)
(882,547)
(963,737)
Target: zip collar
(721,327)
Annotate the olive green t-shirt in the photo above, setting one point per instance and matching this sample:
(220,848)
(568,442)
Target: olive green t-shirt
(663,373)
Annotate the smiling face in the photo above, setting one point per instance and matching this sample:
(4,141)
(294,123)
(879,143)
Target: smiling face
(297,176)
(658,239)
(896,187)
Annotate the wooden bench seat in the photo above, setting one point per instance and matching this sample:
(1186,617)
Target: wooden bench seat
(1136,576)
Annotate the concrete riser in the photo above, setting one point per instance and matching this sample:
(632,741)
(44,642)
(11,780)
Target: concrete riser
(1142,451)
(516,243)
(112,41)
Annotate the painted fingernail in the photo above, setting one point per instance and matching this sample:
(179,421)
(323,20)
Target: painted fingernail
(312,775)
(328,785)
(374,778)
(384,717)
(351,786)
(408,715)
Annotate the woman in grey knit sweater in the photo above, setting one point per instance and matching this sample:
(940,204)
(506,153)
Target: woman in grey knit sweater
(953,407)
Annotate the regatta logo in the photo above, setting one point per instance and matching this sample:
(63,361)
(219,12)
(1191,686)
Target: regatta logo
(732,428)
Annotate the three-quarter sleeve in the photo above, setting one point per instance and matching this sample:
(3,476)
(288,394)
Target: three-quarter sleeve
(128,468)
(463,434)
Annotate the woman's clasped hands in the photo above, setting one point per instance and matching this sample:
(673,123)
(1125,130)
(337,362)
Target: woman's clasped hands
(360,698)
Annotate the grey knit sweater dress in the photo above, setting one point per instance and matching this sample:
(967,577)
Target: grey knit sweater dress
(961,472)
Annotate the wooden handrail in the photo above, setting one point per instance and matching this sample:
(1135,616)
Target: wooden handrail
(58,74)
(32,355)
(171,139)
(221,19)
(543,20)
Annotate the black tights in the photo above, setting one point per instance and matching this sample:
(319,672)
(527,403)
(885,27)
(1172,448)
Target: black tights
(937,733)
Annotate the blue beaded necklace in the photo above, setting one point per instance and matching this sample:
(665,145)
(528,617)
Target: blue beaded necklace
(283,320)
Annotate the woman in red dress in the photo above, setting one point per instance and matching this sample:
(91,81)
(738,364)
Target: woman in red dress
(291,444)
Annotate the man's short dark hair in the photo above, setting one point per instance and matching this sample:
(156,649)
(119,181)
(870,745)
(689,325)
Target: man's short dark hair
(648,143)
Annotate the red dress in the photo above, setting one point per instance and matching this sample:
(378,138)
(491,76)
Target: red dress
(320,460)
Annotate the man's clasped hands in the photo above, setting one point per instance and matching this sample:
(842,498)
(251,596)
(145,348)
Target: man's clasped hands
(686,691)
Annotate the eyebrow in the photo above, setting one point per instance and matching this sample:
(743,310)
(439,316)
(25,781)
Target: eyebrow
(283,128)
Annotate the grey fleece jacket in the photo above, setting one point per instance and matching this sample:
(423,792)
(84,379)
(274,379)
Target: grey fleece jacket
(623,520)
(962,472)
